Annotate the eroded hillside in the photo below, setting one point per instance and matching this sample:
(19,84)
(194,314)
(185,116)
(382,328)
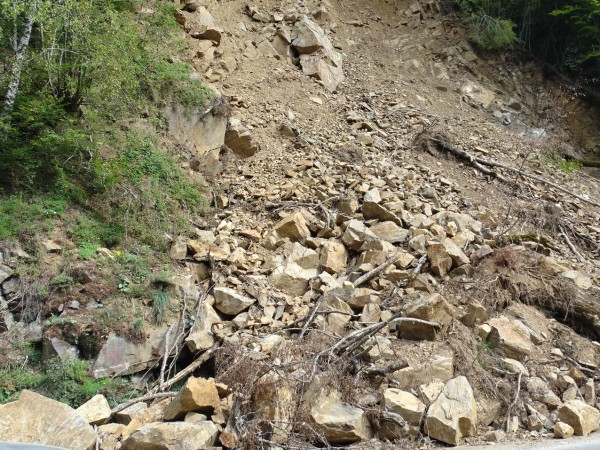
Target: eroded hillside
(399,254)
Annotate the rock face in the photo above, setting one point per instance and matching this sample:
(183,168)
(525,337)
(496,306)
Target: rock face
(340,422)
(580,416)
(37,419)
(197,395)
(510,337)
(231,302)
(454,414)
(119,356)
(96,410)
(172,436)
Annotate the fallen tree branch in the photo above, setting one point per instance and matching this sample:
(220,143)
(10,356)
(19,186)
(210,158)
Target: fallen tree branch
(144,398)
(514,403)
(478,162)
(189,369)
(384,371)
(377,270)
(570,244)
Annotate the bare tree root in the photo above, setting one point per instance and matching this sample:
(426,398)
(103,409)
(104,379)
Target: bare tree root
(442,143)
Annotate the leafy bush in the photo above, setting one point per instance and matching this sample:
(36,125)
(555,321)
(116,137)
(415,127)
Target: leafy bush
(492,34)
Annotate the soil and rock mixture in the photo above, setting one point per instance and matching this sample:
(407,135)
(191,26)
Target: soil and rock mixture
(395,257)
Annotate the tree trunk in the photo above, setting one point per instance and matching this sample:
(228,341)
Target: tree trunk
(20,47)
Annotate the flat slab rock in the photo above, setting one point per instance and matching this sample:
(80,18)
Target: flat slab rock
(40,420)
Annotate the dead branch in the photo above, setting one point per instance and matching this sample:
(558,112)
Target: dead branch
(377,270)
(189,369)
(479,162)
(570,244)
(144,398)
(384,371)
(514,403)
(312,316)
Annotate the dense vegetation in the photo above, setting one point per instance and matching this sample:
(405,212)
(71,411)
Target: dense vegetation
(563,33)
(83,85)
(84,154)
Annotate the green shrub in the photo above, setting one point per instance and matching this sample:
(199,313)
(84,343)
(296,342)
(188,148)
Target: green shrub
(67,381)
(492,34)
(553,161)
(160,302)
(24,218)
(95,230)
(87,251)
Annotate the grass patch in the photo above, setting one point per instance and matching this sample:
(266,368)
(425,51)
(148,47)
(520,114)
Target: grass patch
(67,381)
(23,218)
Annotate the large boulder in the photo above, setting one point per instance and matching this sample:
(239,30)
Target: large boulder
(440,368)
(433,309)
(333,256)
(300,265)
(510,337)
(198,395)
(121,357)
(200,24)
(357,234)
(409,407)
(96,410)
(293,227)
(454,414)
(239,139)
(582,417)
(173,436)
(37,419)
(339,422)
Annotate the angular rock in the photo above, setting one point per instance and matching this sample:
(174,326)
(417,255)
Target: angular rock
(201,336)
(357,234)
(563,430)
(121,357)
(439,259)
(54,347)
(580,279)
(405,404)
(478,93)
(5,273)
(230,302)
(172,436)
(510,337)
(178,250)
(433,309)
(454,414)
(316,67)
(333,256)
(239,139)
(200,24)
(372,210)
(300,266)
(339,422)
(541,392)
(439,368)
(390,232)
(476,314)
(335,322)
(96,410)
(39,420)
(582,417)
(293,227)
(197,395)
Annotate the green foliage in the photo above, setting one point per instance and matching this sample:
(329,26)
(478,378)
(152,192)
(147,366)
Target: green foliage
(160,302)
(67,381)
(553,161)
(95,230)
(564,33)
(492,34)
(87,251)
(21,218)
(61,282)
